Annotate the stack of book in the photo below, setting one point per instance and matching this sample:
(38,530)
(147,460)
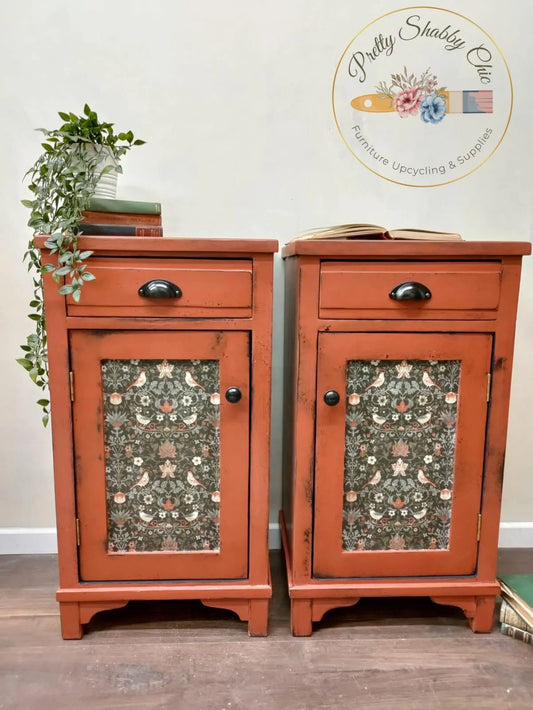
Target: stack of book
(374,231)
(516,612)
(127,218)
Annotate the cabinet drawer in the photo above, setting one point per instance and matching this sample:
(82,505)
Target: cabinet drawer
(208,288)
(360,290)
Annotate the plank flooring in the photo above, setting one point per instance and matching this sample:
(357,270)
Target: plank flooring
(406,654)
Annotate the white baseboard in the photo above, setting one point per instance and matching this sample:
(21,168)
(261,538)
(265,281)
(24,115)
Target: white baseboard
(27,541)
(39,541)
(516,535)
(274,536)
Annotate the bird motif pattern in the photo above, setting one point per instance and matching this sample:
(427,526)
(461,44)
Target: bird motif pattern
(162,462)
(400,438)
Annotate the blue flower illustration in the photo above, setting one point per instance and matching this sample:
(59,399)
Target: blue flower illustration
(432,108)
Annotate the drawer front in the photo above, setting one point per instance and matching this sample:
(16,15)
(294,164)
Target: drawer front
(360,290)
(207,288)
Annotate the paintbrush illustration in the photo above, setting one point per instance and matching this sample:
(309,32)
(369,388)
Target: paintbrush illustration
(456,102)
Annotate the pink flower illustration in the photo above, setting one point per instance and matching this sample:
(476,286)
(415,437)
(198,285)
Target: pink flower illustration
(399,468)
(397,542)
(412,94)
(167,469)
(407,102)
(167,450)
(403,369)
(400,448)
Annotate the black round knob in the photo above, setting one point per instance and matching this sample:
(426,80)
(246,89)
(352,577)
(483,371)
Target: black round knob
(233,394)
(331,398)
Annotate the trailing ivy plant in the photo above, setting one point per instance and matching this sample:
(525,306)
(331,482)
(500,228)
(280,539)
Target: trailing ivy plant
(62,181)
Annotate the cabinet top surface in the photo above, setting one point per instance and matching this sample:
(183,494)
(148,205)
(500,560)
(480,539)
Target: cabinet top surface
(388,249)
(171,246)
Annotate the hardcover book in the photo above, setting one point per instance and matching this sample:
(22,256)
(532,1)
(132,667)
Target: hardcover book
(517,590)
(95,217)
(374,231)
(517,633)
(509,615)
(107,204)
(120,230)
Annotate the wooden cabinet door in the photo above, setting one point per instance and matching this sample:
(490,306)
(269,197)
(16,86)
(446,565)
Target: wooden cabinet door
(399,458)
(161,456)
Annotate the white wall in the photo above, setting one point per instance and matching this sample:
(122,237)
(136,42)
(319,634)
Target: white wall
(234,99)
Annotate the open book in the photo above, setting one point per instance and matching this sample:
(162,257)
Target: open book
(373,231)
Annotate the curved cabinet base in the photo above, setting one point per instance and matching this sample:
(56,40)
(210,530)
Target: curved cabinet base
(75,614)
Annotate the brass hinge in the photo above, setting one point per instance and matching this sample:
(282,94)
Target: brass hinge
(478,527)
(71,385)
(78,540)
(489,381)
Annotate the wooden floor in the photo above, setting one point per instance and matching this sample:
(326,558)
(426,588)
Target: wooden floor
(399,654)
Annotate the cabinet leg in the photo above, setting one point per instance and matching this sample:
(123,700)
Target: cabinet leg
(478,610)
(301,617)
(71,627)
(253,611)
(483,619)
(258,617)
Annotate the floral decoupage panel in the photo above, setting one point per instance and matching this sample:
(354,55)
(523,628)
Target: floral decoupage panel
(401,423)
(162,454)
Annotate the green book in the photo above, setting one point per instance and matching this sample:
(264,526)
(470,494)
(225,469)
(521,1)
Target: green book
(517,590)
(107,204)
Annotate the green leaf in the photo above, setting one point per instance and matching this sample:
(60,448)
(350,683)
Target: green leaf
(65,289)
(26,364)
(45,419)
(76,295)
(43,402)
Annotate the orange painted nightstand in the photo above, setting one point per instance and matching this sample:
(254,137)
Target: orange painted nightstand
(160,387)
(398,362)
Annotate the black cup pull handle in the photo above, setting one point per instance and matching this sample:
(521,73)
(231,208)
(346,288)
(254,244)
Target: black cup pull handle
(160,288)
(410,291)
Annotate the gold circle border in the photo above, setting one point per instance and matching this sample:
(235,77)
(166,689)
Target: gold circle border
(451,12)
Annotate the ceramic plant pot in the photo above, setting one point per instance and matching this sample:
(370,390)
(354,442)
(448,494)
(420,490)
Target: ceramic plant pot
(108,183)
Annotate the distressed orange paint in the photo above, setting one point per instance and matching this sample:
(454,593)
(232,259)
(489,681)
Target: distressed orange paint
(339,310)
(223,314)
